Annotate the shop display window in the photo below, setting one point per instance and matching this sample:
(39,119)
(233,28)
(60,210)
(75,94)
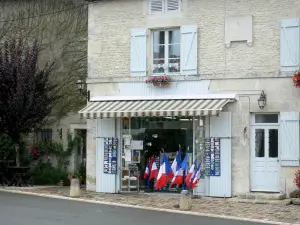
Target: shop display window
(150,137)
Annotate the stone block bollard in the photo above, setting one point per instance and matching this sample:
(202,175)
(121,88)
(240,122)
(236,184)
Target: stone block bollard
(75,188)
(185,200)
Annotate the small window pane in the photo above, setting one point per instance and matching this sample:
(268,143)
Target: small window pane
(158,37)
(174,51)
(259,143)
(158,51)
(174,66)
(273,143)
(174,37)
(158,66)
(266,118)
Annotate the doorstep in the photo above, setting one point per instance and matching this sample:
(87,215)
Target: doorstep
(262,196)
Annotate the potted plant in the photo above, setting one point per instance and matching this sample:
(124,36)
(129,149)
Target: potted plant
(75,181)
(159,80)
(296,79)
(295,196)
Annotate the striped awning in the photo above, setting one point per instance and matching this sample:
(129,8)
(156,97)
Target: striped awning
(154,108)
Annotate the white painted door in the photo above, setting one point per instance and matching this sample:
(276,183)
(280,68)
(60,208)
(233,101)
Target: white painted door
(265,161)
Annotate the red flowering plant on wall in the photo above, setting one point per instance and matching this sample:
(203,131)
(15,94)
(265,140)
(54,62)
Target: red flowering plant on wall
(159,80)
(297,178)
(41,149)
(296,79)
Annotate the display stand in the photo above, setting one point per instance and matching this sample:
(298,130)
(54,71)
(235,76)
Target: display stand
(130,181)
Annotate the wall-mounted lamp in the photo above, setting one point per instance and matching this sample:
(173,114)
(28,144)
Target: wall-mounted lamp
(81,86)
(262,101)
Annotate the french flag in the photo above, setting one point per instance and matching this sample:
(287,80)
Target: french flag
(188,179)
(153,170)
(196,177)
(147,172)
(176,163)
(163,174)
(178,178)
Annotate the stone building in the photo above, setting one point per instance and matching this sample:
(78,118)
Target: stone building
(231,65)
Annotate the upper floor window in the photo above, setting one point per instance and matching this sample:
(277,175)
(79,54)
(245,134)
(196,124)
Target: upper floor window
(44,135)
(173,51)
(164,6)
(166,51)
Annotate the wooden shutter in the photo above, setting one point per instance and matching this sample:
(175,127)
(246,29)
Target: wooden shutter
(220,126)
(289,45)
(289,132)
(156,6)
(173,5)
(138,52)
(189,50)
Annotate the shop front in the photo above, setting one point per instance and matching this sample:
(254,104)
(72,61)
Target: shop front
(130,132)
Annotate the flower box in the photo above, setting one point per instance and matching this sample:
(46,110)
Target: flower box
(161,84)
(296,79)
(159,81)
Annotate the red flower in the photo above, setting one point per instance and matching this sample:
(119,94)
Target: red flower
(147,81)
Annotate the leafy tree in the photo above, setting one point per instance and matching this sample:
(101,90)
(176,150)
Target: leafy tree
(61,28)
(26,93)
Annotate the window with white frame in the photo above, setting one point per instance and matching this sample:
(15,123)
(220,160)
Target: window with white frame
(166,51)
(164,6)
(173,51)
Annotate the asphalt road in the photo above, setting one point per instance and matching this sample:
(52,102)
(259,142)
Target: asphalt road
(17,209)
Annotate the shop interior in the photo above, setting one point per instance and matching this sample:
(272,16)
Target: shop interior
(147,137)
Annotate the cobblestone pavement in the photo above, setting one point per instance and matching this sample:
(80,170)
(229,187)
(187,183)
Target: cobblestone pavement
(269,212)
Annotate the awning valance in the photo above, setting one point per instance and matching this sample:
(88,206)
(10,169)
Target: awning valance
(154,108)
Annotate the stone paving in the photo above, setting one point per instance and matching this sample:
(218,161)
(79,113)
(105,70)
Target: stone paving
(268,212)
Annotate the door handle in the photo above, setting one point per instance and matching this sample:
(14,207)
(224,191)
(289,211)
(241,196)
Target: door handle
(277,160)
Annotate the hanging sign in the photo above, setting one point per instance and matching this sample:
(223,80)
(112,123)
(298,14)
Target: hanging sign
(217,155)
(212,157)
(207,157)
(137,145)
(110,155)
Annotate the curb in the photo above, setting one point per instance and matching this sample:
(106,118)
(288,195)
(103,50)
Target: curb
(146,208)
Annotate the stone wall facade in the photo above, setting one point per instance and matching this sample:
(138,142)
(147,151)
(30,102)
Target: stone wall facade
(241,69)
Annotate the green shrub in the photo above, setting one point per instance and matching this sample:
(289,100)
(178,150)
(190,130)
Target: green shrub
(7,148)
(45,174)
(295,194)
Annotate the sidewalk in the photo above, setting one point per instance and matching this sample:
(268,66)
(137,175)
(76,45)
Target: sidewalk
(222,207)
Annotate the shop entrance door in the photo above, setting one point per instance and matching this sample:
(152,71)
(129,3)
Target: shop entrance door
(265,161)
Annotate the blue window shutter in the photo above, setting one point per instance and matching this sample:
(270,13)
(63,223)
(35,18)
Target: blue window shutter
(189,50)
(289,132)
(289,44)
(138,52)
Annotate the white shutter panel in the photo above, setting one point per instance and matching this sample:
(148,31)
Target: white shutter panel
(156,6)
(138,52)
(189,50)
(289,45)
(220,126)
(289,132)
(173,5)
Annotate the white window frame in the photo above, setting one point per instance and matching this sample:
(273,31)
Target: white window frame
(166,52)
(264,124)
(164,8)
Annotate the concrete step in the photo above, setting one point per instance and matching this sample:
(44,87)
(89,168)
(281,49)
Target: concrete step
(262,196)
